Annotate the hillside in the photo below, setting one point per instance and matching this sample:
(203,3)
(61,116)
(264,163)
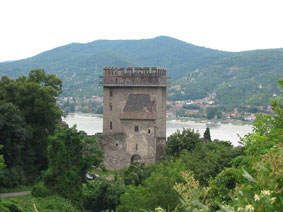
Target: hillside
(244,78)
(199,70)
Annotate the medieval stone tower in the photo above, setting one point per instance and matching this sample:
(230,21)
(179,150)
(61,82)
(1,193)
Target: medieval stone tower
(134,119)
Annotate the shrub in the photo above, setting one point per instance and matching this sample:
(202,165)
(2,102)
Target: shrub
(40,190)
(263,190)
(223,186)
(11,206)
(103,195)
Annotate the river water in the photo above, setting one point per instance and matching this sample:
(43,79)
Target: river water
(92,123)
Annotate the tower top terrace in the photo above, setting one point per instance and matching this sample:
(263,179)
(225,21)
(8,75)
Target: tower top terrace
(134,77)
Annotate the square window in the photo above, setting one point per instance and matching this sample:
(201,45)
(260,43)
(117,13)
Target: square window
(136,128)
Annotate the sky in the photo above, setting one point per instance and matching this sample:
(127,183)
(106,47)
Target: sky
(28,27)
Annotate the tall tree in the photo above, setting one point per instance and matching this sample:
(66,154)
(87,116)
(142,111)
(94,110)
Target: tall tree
(68,164)
(34,99)
(206,134)
(15,138)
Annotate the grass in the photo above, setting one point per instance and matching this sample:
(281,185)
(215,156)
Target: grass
(47,204)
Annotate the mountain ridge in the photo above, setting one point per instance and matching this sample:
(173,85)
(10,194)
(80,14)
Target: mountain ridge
(80,64)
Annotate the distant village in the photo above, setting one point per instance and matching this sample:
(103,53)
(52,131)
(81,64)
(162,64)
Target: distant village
(200,108)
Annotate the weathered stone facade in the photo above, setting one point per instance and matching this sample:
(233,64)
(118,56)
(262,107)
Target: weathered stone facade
(134,119)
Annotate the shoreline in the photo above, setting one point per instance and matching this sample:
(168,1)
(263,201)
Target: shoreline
(218,121)
(182,119)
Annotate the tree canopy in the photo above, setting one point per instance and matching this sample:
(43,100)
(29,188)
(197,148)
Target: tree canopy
(29,114)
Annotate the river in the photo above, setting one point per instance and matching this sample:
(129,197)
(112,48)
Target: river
(92,123)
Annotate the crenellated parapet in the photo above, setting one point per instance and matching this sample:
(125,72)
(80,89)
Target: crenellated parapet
(138,76)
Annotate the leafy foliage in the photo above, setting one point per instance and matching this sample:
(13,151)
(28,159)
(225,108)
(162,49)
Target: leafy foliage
(158,189)
(29,114)
(14,137)
(103,195)
(263,190)
(2,163)
(10,206)
(179,141)
(136,173)
(268,131)
(193,196)
(40,190)
(206,134)
(67,166)
(223,186)
(209,159)
(47,204)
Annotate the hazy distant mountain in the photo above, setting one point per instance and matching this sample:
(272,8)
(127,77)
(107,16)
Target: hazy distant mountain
(79,66)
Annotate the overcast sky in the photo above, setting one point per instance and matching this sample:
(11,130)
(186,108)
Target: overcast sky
(28,27)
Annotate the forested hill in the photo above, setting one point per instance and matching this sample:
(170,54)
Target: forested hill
(79,66)
(248,77)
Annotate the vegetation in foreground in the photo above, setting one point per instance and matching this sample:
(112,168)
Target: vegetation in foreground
(28,203)
(196,174)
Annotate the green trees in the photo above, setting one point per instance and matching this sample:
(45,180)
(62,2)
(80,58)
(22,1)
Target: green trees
(15,139)
(209,159)
(262,190)
(179,141)
(213,112)
(206,134)
(29,115)
(157,189)
(136,173)
(103,195)
(2,163)
(67,166)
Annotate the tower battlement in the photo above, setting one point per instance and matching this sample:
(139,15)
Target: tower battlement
(119,71)
(138,76)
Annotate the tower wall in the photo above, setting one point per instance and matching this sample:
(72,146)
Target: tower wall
(134,106)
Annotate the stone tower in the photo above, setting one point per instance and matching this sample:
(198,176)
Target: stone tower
(134,118)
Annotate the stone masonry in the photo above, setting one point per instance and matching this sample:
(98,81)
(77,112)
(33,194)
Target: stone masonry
(134,118)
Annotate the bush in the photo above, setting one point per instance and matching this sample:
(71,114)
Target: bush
(27,203)
(11,206)
(136,173)
(40,190)
(179,141)
(157,190)
(223,185)
(263,189)
(103,195)
(13,177)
